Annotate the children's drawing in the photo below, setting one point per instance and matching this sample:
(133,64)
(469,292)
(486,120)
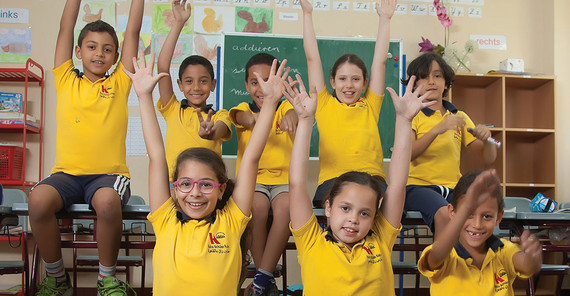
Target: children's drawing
(144,37)
(254,20)
(163,19)
(207,46)
(210,23)
(181,51)
(15,44)
(89,17)
(213,20)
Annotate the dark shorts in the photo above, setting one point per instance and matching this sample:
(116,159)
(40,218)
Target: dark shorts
(427,200)
(80,189)
(323,191)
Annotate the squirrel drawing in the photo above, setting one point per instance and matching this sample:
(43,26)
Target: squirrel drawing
(252,26)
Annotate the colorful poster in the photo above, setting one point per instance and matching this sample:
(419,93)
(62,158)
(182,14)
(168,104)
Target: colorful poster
(16,45)
(207,46)
(254,20)
(213,20)
(163,19)
(181,51)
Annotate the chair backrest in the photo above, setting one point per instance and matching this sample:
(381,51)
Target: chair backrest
(11,196)
(136,200)
(135,225)
(520,203)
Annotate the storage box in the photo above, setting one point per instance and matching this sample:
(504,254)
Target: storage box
(512,65)
(11,161)
(11,102)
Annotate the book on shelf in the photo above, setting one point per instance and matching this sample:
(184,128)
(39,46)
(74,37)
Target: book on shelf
(18,122)
(16,115)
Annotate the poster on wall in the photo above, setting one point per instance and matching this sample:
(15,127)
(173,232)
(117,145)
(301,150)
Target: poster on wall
(15,44)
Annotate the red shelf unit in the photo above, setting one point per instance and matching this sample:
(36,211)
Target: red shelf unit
(31,74)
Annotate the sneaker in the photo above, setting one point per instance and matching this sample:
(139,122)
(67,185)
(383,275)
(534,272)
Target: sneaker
(49,287)
(272,290)
(111,286)
(250,291)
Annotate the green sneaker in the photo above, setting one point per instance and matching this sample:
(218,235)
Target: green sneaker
(49,287)
(111,286)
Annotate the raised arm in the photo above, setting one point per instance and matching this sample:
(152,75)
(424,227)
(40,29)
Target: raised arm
(314,65)
(132,32)
(378,68)
(144,83)
(406,108)
(301,208)
(478,193)
(529,260)
(181,15)
(64,45)
(247,173)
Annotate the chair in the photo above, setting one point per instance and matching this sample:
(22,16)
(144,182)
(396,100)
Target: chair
(14,230)
(402,267)
(521,204)
(130,228)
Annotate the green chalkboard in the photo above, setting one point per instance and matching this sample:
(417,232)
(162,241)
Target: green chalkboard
(238,48)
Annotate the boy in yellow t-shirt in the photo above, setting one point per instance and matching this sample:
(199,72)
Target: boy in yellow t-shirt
(271,189)
(90,161)
(189,122)
(466,258)
(440,132)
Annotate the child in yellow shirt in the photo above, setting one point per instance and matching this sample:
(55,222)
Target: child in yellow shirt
(466,258)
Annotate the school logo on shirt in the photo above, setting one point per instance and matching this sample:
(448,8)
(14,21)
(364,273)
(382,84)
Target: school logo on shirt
(217,243)
(106,92)
(359,104)
(501,280)
(372,258)
(457,134)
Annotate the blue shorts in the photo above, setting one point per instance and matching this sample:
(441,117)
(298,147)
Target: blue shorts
(427,200)
(80,189)
(323,191)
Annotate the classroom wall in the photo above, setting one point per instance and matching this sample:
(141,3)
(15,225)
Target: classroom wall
(529,26)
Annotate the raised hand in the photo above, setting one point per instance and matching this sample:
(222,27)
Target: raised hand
(306,6)
(531,246)
(180,12)
(273,88)
(411,103)
(387,8)
(143,80)
(304,106)
(481,189)
(206,126)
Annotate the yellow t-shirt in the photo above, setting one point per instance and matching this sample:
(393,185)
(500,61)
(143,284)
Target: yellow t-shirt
(274,163)
(439,163)
(457,275)
(91,122)
(182,126)
(195,256)
(330,268)
(348,135)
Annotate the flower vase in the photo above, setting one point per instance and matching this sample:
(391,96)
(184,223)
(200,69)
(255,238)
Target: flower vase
(462,65)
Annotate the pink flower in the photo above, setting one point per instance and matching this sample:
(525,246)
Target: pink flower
(442,14)
(426,45)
